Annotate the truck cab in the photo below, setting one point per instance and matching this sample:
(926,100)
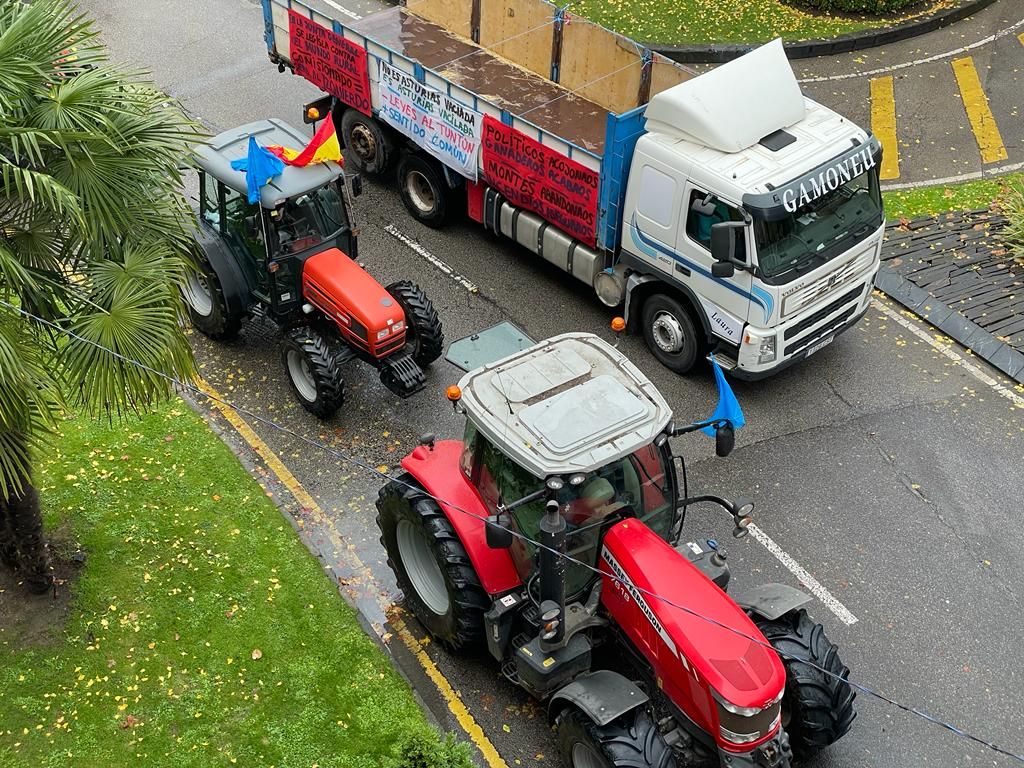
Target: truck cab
(758,210)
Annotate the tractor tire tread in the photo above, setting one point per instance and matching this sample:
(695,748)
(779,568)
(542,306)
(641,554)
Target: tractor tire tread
(420,316)
(326,368)
(221,324)
(630,741)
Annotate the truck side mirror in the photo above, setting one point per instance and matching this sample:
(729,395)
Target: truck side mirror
(723,242)
(498,534)
(725,439)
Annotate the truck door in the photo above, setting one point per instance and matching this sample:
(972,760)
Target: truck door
(727,302)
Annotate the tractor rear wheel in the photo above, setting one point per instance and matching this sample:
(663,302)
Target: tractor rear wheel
(817,708)
(207,307)
(431,565)
(313,366)
(632,740)
(423,332)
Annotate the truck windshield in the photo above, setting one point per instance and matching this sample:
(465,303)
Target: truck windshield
(311,219)
(821,229)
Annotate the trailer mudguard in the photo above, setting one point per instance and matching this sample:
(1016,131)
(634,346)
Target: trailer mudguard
(770,601)
(232,282)
(438,471)
(602,696)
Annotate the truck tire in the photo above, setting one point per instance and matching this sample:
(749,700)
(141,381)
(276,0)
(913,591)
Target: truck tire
(424,334)
(632,740)
(817,709)
(369,147)
(424,190)
(431,565)
(207,307)
(670,333)
(313,367)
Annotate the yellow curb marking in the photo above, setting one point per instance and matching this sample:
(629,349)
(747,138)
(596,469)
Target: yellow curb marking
(990,142)
(883,124)
(459,710)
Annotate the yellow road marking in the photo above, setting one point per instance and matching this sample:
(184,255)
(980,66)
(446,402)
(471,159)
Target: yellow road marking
(1021,38)
(883,124)
(990,142)
(455,705)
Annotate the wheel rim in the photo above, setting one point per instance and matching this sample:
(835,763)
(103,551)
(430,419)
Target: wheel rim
(301,375)
(199,294)
(421,567)
(585,757)
(363,142)
(667,332)
(420,192)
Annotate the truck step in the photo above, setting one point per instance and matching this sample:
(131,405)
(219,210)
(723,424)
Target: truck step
(402,375)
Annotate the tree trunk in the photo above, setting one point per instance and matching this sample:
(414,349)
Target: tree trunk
(21,538)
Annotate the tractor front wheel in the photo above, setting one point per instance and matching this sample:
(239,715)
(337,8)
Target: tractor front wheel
(207,307)
(423,332)
(431,565)
(313,366)
(817,708)
(631,740)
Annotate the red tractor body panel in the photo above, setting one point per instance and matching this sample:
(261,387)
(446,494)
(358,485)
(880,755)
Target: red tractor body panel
(358,304)
(438,471)
(690,656)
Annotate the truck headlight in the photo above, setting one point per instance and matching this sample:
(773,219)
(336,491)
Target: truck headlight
(765,346)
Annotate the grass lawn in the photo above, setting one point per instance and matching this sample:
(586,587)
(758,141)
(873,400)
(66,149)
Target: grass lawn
(722,21)
(927,201)
(199,632)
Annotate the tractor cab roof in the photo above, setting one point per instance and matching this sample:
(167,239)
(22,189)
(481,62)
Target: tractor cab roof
(215,158)
(572,403)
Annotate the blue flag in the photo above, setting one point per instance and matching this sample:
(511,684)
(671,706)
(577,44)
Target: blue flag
(260,166)
(728,406)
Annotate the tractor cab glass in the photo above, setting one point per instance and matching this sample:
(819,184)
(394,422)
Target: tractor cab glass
(308,220)
(638,485)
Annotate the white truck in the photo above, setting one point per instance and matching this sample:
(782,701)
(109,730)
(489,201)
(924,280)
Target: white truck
(726,212)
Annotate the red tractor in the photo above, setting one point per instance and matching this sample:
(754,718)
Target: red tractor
(566,450)
(292,258)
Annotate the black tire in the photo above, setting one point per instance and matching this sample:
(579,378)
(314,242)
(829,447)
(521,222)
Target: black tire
(207,307)
(424,334)
(424,190)
(313,367)
(670,333)
(460,625)
(631,741)
(817,709)
(369,147)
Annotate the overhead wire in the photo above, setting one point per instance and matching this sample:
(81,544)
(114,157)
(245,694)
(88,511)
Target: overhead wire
(355,461)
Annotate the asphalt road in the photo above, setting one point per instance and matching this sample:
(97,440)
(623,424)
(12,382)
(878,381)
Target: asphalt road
(881,466)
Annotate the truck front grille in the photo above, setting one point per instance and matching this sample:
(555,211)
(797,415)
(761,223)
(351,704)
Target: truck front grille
(822,313)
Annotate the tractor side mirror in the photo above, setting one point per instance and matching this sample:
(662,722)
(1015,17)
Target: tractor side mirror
(357,185)
(725,439)
(499,536)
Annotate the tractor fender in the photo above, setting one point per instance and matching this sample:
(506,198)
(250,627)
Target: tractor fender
(770,601)
(602,696)
(229,274)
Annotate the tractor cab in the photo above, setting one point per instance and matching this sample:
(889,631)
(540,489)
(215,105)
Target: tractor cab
(301,212)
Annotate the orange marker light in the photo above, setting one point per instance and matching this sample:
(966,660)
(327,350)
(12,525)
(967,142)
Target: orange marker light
(453,393)
(618,324)
(313,113)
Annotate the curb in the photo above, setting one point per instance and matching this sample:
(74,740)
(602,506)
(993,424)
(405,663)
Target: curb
(718,53)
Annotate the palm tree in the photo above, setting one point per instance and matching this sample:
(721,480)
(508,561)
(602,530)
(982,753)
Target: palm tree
(95,238)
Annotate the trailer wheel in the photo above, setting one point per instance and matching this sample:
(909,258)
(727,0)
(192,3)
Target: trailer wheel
(670,333)
(431,565)
(424,189)
(313,367)
(369,147)
(423,333)
(817,709)
(632,740)
(207,307)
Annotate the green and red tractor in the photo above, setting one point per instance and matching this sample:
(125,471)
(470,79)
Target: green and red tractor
(554,531)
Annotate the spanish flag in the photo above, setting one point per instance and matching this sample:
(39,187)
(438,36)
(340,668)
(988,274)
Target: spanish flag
(323,147)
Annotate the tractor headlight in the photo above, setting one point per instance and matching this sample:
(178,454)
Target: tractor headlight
(743,725)
(399,326)
(383,334)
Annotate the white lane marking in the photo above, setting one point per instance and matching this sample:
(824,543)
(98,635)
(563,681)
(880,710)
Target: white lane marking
(988,173)
(949,351)
(827,599)
(465,282)
(927,60)
(340,9)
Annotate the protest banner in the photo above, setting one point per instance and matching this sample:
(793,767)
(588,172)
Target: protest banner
(335,65)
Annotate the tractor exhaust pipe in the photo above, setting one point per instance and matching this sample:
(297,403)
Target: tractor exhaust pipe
(552,577)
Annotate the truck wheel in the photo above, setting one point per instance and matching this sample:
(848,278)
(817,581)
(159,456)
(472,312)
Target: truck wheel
(207,307)
(368,147)
(424,189)
(431,565)
(631,740)
(314,371)
(424,335)
(670,333)
(817,708)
